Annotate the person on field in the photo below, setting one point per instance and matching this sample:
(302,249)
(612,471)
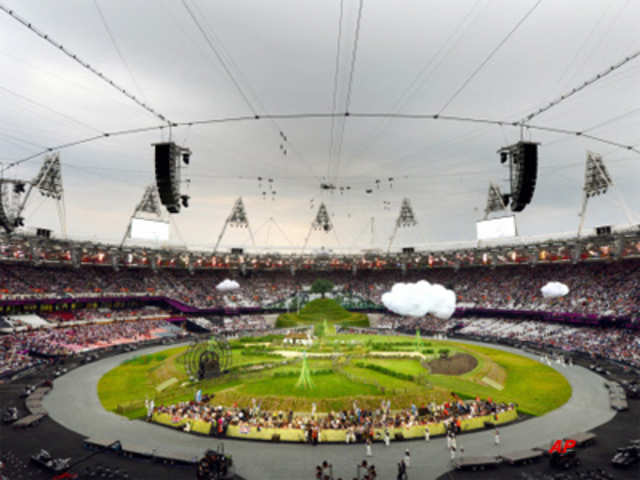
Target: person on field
(368,448)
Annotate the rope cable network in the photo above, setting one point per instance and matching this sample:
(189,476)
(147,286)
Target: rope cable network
(86,65)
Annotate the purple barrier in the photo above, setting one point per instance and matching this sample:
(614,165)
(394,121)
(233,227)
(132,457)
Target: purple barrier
(183,308)
(170,302)
(175,319)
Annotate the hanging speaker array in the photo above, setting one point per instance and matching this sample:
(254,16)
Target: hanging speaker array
(170,159)
(522,160)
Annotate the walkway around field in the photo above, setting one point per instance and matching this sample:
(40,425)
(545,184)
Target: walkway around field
(74,403)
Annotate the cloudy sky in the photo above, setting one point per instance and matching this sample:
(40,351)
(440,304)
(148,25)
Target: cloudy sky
(412,57)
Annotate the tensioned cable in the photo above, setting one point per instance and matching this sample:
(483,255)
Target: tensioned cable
(117,48)
(604,35)
(425,72)
(335,84)
(354,54)
(82,141)
(584,85)
(584,43)
(490,56)
(21,140)
(604,123)
(52,110)
(219,57)
(310,115)
(86,65)
(227,66)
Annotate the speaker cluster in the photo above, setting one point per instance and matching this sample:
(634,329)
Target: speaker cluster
(170,160)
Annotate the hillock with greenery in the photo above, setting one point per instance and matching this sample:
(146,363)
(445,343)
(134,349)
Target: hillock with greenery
(319,310)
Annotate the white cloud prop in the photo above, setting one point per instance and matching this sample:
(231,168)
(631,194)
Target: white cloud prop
(227,285)
(419,299)
(554,290)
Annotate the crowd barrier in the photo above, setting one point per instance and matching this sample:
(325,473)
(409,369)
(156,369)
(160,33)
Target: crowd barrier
(328,435)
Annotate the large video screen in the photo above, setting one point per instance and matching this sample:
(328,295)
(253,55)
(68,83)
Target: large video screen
(502,227)
(149,230)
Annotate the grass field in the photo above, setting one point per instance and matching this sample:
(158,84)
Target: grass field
(535,387)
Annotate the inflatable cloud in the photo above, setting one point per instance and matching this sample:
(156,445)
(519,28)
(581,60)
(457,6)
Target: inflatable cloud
(554,290)
(227,285)
(419,299)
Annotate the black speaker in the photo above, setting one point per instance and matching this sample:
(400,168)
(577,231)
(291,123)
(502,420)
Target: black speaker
(408,250)
(43,232)
(168,175)
(524,174)
(604,230)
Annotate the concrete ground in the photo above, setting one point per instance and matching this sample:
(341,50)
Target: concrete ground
(74,404)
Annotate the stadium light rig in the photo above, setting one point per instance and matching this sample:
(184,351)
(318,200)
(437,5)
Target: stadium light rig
(496,201)
(238,219)
(406,219)
(14,194)
(148,208)
(321,222)
(597,181)
(596,177)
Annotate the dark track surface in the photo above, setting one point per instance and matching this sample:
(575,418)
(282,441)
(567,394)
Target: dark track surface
(61,442)
(73,400)
(625,426)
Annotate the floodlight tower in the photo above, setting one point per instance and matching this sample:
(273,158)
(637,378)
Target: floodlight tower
(237,218)
(597,181)
(406,219)
(496,201)
(14,194)
(149,206)
(322,221)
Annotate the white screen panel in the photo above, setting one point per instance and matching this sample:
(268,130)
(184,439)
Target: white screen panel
(496,228)
(149,230)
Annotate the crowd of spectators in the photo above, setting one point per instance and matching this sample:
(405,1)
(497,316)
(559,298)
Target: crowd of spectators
(105,314)
(359,424)
(232,325)
(21,350)
(597,288)
(611,343)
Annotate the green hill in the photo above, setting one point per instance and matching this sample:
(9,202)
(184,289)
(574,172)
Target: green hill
(322,309)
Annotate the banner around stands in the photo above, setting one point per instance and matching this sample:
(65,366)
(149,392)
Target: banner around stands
(45,305)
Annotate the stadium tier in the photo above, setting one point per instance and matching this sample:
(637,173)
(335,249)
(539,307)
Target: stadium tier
(599,288)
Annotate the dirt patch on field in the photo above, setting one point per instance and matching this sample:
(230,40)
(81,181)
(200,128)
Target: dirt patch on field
(457,365)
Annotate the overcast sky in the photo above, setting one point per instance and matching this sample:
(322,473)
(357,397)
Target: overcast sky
(412,57)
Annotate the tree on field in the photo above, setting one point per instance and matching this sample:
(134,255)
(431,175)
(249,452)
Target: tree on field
(304,380)
(322,286)
(419,345)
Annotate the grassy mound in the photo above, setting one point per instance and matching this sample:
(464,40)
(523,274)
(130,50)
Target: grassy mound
(320,310)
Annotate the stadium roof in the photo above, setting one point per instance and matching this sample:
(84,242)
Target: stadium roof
(195,60)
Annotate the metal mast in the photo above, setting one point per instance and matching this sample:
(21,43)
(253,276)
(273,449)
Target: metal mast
(237,218)
(406,218)
(322,221)
(148,205)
